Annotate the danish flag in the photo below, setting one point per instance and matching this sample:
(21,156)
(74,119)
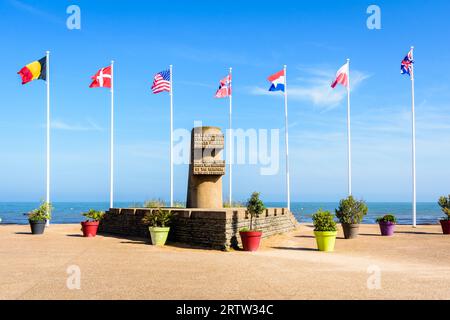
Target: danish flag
(102,79)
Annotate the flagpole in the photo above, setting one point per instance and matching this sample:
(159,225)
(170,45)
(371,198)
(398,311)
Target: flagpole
(111,191)
(349,142)
(48,132)
(288,187)
(230,143)
(171,136)
(413,141)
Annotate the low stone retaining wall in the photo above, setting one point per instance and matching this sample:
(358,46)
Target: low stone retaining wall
(210,228)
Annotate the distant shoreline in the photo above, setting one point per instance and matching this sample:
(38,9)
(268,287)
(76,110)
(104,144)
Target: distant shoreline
(303,223)
(428,213)
(277,202)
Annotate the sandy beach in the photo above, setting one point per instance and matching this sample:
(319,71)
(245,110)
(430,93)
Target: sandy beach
(414,264)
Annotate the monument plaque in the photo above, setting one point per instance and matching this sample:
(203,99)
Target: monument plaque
(216,168)
(206,145)
(208,141)
(206,168)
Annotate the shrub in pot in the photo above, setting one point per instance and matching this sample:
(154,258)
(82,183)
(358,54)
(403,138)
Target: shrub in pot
(350,214)
(158,222)
(38,218)
(324,230)
(444,203)
(251,237)
(90,226)
(387,224)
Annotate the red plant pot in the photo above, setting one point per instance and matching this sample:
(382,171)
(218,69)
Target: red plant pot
(250,240)
(89,228)
(445,224)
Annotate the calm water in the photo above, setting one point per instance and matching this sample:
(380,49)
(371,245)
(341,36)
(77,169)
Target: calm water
(70,212)
(427,212)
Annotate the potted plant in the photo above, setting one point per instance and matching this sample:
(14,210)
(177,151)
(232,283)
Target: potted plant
(38,218)
(444,203)
(251,237)
(350,214)
(324,230)
(158,221)
(90,226)
(387,224)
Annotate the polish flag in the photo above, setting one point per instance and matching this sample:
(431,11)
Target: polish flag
(102,79)
(341,76)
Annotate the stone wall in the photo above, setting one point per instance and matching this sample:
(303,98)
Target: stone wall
(210,228)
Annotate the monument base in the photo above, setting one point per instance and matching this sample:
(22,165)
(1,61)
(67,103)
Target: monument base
(209,228)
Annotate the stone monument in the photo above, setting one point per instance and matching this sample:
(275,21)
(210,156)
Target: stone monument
(206,168)
(204,222)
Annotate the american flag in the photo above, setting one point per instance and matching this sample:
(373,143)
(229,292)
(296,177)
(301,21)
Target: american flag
(407,64)
(161,82)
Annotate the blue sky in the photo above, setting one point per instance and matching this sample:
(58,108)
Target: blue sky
(202,39)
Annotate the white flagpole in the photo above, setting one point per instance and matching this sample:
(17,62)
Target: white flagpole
(349,140)
(230,143)
(413,142)
(48,130)
(111,191)
(171,136)
(288,187)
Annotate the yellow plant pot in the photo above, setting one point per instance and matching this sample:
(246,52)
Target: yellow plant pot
(325,240)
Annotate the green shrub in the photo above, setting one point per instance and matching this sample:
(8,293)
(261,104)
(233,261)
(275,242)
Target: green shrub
(234,204)
(157,218)
(43,213)
(351,211)
(444,203)
(324,221)
(158,203)
(136,205)
(154,203)
(179,204)
(94,215)
(387,218)
(255,207)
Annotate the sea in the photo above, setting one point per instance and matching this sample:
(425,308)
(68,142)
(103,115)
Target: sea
(70,212)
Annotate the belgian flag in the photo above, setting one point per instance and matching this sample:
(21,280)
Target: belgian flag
(34,70)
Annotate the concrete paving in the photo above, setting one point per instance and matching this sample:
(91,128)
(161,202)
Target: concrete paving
(414,264)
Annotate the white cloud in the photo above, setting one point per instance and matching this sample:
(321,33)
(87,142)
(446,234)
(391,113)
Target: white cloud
(62,125)
(315,87)
(35,11)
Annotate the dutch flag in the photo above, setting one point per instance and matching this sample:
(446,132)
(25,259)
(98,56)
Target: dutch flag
(277,80)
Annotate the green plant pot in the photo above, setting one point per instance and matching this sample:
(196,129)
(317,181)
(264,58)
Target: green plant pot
(159,235)
(325,240)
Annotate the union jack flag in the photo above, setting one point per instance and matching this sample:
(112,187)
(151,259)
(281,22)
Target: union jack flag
(161,82)
(407,64)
